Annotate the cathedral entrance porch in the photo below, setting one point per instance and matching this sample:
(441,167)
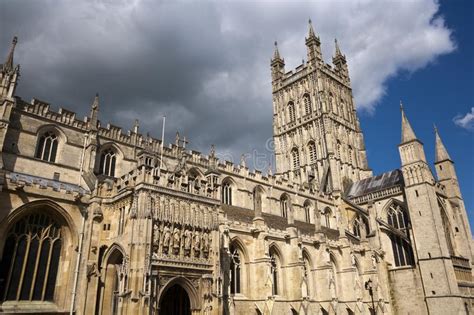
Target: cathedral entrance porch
(175,301)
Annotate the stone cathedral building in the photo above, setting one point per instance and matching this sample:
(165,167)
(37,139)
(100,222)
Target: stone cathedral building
(97,220)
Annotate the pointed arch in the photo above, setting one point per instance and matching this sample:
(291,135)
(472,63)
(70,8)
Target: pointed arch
(291,111)
(397,218)
(285,205)
(447,227)
(228,189)
(308,209)
(276,271)
(35,239)
(238,269)
(186,284)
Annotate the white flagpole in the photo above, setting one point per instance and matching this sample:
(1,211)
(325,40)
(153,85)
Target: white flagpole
(162,144)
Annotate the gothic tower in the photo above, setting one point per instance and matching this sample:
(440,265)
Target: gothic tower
(318,140)
(429,216)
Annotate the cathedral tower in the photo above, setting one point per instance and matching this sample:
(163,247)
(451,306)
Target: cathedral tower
(429,217)
(318,140)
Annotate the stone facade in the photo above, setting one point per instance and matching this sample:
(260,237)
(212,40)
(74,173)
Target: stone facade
(94,220)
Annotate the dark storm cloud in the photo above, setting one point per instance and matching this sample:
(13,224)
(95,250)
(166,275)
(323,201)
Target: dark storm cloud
(205,65)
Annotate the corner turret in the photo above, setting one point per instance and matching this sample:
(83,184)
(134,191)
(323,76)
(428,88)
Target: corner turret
(9,73)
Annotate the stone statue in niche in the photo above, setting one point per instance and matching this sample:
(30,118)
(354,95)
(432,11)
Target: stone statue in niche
(205,242)
(188,235)
(166,238)
(197,243)
(176,239)
(156,235)
(353,259)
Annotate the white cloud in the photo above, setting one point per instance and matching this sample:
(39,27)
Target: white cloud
(206,65)
(466,121)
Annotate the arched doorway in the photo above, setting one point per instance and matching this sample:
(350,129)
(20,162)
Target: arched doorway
(175,301)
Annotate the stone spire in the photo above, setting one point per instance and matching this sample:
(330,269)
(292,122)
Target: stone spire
(8,65)
(441,154)
(407,131)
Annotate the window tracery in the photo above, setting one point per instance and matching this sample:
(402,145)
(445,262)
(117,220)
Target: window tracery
(397,218)
(107,163)
(30,260)
(227,193)
(47,147)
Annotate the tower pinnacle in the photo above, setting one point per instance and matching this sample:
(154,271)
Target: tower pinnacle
(276,53)
(9,62)
(441,154)
(338,50)
(94,113)
(407,131)
(311,30)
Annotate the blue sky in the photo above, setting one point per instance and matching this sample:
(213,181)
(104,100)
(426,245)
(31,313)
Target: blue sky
(435,94)
(205,65)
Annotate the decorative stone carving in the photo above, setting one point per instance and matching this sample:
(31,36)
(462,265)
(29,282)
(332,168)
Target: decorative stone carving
(176,240)
(197,243)
(166,238)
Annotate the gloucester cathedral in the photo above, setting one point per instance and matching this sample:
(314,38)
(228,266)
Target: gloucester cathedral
(98,220)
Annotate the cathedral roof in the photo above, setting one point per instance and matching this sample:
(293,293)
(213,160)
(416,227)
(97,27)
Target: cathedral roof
(375,183)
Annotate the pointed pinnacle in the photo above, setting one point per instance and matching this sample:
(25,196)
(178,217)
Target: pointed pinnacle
(441,154)
(311,30)
(95,104)
(276,53)
(9,62)
(407,131)
(338,50)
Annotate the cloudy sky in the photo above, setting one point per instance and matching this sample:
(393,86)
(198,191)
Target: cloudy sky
(205,65)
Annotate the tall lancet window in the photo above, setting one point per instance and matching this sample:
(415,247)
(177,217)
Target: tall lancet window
(397,218)
(227,193)
(108,160)
(307,104)
(275,272)
(30,259)
(47,147)
(291,112)
(284,206)
(312,153)
(295,159)
(235,270)
(447,229)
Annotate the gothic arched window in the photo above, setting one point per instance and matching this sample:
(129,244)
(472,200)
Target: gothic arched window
(307,212)
(397,218)
(338,150)
(275,272)
(107,163)
(284,206)
(307,276)
(235,270)
(47,147)
(327,217)
(307,104)
(350,154)
(312,153)
(227,193)
(291,112)
(447,229)
(30,261)
(295,159)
